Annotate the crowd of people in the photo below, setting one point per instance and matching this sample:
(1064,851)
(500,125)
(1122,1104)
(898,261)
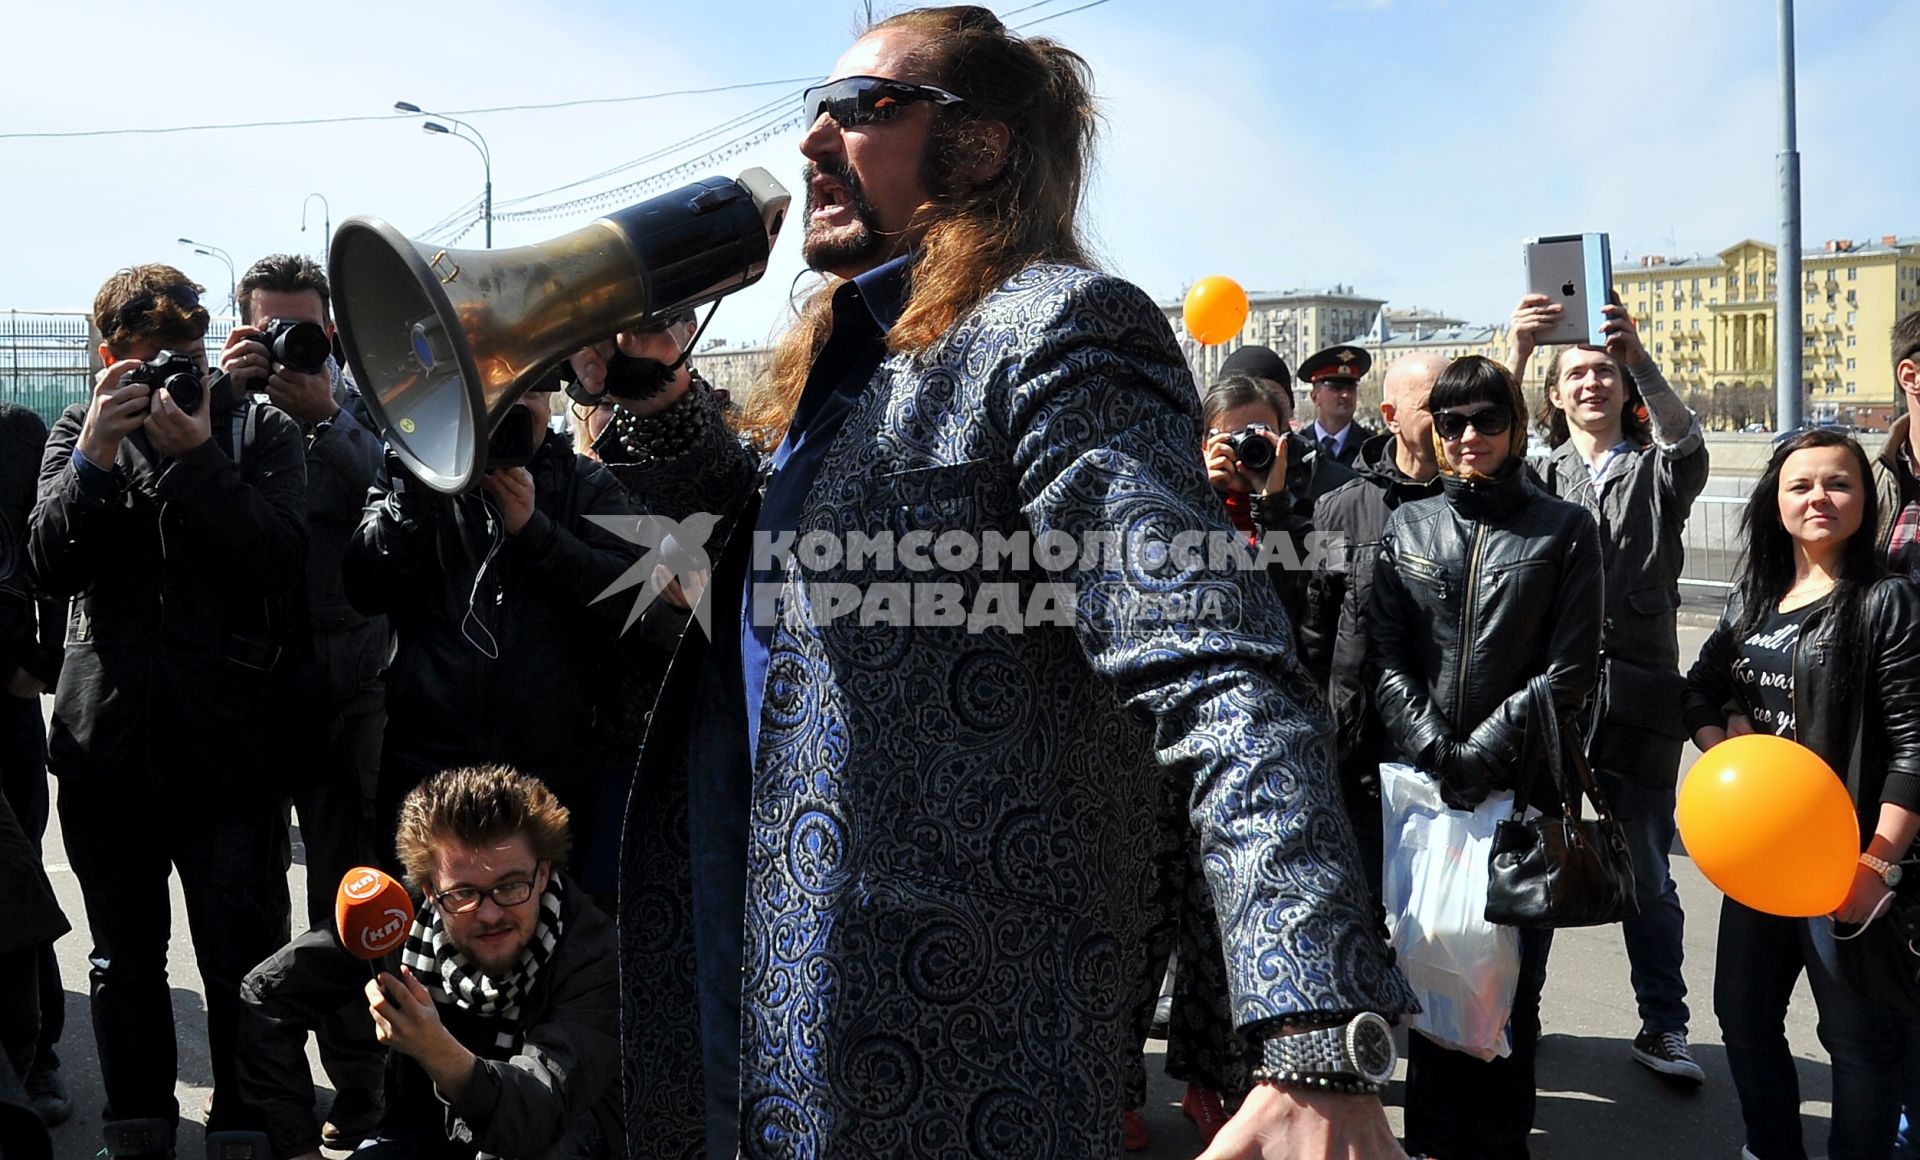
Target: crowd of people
(807,884)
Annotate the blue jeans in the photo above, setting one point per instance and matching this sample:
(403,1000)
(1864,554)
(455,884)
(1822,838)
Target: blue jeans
(1654,937)
(1760,957)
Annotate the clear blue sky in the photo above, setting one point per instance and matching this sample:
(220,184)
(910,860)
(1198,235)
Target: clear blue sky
(1403,146)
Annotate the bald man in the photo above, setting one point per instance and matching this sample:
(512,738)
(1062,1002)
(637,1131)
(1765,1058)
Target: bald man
(1392,468)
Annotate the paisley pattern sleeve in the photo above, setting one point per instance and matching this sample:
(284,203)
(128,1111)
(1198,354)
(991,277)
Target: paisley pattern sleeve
(1104,423)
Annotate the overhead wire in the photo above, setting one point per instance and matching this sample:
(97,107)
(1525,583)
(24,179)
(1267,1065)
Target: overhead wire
(730,148)
(361,117)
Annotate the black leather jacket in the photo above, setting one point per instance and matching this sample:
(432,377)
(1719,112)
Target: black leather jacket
(1475,591)
(1826,710)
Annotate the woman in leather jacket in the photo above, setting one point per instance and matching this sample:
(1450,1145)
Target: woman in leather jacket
(1478,590)
(1818,645)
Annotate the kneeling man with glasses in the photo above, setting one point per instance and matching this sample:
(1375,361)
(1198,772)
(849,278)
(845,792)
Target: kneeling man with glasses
(502,1019)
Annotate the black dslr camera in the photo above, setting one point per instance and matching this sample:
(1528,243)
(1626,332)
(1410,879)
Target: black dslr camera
(298,346)
(177,373)
(1252,448)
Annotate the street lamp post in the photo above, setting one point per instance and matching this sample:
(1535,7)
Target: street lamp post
(233,298)
(476,140)
(326,219)
(1787,393)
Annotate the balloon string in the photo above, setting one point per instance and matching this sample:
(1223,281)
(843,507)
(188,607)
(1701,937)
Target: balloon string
(1879,909)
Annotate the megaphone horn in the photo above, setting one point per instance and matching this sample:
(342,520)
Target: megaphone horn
(441,342)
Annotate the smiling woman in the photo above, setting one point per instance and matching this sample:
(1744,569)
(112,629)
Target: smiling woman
(1820,646)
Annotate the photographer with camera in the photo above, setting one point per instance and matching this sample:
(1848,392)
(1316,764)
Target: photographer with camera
(504,653)
(285,351)
(171,542)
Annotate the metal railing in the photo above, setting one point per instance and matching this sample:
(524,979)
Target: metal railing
(1714,541)
(47,358)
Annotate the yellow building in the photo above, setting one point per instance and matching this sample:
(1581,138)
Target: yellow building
(1390,342)
(1709,320)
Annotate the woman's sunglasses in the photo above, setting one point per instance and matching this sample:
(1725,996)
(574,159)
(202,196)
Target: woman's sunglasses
(1488,421)
(853,101)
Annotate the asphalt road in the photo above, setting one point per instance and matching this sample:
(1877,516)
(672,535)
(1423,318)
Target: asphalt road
(1594,1101)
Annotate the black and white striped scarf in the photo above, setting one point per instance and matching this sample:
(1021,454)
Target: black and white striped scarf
(450,977)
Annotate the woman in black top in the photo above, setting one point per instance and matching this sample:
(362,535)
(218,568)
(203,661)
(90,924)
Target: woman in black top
(1820,646)
(1477,591)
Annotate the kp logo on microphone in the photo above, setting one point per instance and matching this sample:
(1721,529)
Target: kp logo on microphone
(367,884)
(381,939)
(372,912)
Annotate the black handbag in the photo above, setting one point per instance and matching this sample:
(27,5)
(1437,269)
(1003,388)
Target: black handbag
(1565,871)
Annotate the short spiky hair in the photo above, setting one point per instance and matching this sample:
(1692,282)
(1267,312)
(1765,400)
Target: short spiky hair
(154,303)
(478,807)
(283,274)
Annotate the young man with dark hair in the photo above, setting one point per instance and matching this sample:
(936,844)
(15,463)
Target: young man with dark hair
(1896,472)
(334,799)
(502,1019)
(1629,451)
(171,553)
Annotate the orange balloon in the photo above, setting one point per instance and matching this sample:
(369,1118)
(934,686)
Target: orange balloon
(1768,823)
(1216,309)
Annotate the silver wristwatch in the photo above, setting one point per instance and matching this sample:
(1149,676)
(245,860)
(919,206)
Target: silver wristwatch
(1356,1056)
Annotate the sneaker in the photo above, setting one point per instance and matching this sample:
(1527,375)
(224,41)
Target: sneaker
(355,1115)
(1133,1131)
(48,1093)
(1667,1053)
(1203,1107)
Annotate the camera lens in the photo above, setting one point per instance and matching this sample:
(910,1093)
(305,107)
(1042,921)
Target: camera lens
(185,389)
(1253,450)
(301,346)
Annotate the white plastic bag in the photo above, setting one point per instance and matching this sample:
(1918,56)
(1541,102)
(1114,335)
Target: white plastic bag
(1463,968)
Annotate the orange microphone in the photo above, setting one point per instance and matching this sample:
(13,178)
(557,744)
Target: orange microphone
(372,912)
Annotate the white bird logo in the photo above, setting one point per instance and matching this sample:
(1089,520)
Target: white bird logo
(679,545)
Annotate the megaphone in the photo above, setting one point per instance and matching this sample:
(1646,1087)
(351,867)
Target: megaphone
(441,342)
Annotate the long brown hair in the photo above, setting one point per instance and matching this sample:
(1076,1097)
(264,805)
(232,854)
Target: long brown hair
(1635,425)
(976,236)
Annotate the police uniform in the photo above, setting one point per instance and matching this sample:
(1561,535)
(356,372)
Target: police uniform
(1337,365)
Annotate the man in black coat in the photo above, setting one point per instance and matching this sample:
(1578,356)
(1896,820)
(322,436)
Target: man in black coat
(494,598)
(1392,469)
(172,553)
(30,627)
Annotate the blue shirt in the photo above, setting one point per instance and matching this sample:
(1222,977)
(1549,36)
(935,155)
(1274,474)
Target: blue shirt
(864,310)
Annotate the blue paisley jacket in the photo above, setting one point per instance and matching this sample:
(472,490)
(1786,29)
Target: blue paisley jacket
(950,833)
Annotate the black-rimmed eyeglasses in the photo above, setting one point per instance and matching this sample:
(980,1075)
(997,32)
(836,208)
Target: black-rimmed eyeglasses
(505,895)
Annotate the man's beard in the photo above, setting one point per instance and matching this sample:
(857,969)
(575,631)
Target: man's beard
(824,252)
(473,950)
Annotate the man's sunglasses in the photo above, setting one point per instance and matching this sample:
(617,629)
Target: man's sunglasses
(1488,421)
(131,311)
(853,101)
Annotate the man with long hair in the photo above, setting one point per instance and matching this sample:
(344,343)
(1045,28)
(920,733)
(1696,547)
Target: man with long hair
(1628,450)
(912,859)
